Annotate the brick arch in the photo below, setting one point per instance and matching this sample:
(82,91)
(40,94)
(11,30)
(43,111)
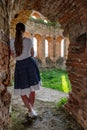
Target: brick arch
(49,38)
(73,19)
(37,15)
(38,36)
(39,45)
(59,38)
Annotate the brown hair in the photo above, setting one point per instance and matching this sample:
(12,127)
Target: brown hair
(18,43)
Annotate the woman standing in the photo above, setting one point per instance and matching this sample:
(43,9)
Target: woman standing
(26,76)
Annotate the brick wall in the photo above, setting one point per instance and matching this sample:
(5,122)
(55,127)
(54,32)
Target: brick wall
(77,66)
(5,97)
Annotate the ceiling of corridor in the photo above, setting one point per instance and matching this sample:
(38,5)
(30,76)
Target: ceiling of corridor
(55,10)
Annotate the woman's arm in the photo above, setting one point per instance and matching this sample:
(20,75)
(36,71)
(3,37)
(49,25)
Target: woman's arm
(32,52)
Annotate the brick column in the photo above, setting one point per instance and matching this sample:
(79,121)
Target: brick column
(66,46)
(43,51)
(39,46)
(50,47)
(58,47)
(54,49)
(77,72)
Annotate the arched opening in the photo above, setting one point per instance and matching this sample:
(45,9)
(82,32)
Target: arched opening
(37,41)
(62,48)
(34,17)
(35,46)
(38,38)
(46,48)
(36,14)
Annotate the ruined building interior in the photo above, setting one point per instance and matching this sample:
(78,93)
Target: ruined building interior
(71,16)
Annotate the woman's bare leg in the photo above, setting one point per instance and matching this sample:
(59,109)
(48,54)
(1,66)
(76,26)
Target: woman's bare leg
(32,98)
(26,102)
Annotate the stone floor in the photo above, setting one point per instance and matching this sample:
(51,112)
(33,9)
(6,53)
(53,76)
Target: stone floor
(44,94)
(50,117)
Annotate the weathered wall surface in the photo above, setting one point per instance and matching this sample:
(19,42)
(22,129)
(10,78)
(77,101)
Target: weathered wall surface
(77,64)
(4,67)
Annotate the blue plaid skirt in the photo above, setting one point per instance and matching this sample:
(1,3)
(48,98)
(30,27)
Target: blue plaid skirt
(26,76)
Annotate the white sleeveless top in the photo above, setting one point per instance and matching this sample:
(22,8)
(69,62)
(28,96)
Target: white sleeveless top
(26,52)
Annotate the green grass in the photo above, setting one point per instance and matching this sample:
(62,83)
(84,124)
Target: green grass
(62,101)
(55,79)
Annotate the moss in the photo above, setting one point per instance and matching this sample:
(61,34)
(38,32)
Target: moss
(41,21)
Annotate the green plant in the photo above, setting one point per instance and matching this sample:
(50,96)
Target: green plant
(41,21)
(62,101)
